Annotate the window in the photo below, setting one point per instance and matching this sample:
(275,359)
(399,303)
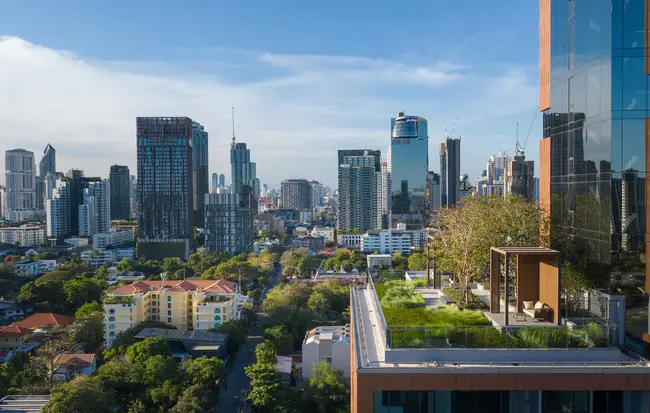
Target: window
(169,298)
(169,313)
(111,318)
(169,305)
(169,320)
(217,318)
(111,311)
(217,310)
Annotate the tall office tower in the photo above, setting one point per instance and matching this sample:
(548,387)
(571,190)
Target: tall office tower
(3,202)
(409,168)
(165,226)
(76,197)
(228,223)
(588,184)
(450,172)
(359,199)
(215,182)
(58,205)
(200,178)
(95,211)
(265,191)
(385,194)
(316,194)
(243,171)
(222,181)
(133,197)
(120,182)
(496,166)
(296,194)
(20,180)
(47,164)
(518,177)
(434,191)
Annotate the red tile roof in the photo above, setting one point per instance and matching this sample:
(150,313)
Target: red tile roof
(14,331)
(212,286)
(43,320)
(81,360)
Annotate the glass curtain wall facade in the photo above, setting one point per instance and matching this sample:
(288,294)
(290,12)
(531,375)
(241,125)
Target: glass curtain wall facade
(164,178)
(409,158)
(597,124)
(200,179)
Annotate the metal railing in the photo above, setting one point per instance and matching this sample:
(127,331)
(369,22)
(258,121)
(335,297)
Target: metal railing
(379,313)
(586,336)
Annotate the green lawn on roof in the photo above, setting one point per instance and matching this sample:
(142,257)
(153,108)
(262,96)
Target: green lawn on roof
(403,307)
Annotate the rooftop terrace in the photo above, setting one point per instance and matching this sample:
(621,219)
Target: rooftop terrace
(450,338)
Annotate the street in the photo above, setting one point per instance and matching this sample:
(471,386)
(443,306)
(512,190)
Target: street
(237,384)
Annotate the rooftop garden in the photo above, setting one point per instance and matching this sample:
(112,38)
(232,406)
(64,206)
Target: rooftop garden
(412,325)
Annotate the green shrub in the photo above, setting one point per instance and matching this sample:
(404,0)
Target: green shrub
(475,303)
(399,294)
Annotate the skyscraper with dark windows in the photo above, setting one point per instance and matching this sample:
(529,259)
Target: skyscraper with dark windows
(120,183)
(450,172)
(200,179)
(215,182)
(222,181)
(47,164)
(409,168)
(594,66)
(165,199)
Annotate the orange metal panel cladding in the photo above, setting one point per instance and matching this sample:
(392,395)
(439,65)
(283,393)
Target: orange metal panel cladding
(545,54)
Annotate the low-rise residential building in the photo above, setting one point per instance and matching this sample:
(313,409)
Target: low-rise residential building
(386,242)
(107,239)
(190,343)
(379,260)
(352,241)
(19,335)
(76,242)
(326,343)
(310,243)
(327,232)
(100,257)
(267,244)
(269,222)
(69,366)
(34,267)
(10,311)
(185,304)
(26,235)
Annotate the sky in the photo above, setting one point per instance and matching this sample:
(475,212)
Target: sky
(305,78)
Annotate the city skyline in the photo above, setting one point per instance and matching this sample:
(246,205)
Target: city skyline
(361,87)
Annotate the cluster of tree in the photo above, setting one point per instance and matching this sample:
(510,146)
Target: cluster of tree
(325,391)
(63,291)
(347,259)
(466,234)
(31,374)
(300,307)
(145,378)
(296,261)
(251,270)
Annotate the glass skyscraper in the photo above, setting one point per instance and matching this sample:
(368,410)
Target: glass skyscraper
(120,183)
(200,179)
(165,224)
(409,158)
(47,164)
(594,68)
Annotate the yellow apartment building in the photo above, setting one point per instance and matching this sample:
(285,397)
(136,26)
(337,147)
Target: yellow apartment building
(185,304)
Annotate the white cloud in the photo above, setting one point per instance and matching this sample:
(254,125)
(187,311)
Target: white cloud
(294,113)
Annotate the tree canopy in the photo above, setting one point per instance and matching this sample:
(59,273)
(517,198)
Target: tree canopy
(467,232)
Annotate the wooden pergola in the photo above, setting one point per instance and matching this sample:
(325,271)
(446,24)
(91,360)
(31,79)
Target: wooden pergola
(538,278)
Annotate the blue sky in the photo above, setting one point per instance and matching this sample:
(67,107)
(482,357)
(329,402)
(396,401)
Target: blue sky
(306,78)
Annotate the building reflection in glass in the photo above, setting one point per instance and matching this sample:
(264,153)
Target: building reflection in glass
(596,123)
(409,169)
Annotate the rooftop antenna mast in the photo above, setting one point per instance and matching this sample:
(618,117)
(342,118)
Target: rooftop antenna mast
(233,126)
